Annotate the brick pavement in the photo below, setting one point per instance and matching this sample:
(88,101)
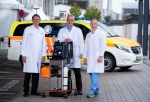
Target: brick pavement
(131,85)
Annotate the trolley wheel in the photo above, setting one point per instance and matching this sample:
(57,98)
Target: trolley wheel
(75,93)
(65,96)
(43,94)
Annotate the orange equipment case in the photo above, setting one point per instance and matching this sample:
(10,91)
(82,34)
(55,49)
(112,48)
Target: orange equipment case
(45,72)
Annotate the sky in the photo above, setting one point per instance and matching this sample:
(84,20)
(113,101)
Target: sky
(117,4)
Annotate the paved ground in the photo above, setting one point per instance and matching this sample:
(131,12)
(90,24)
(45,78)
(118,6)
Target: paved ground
(131,85)
(11,78)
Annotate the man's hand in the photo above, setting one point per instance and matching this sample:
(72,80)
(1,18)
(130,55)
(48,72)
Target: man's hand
(68,40)
(43,58)
(24,59)
(85,61)
(99,59)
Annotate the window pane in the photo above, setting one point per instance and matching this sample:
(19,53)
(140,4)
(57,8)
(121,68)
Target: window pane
(20,29)
(84,29)
(55,28)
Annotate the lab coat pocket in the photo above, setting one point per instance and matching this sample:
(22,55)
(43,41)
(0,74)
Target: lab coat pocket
(31,34)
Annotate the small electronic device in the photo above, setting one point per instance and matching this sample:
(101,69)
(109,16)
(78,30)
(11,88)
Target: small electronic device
(63,50)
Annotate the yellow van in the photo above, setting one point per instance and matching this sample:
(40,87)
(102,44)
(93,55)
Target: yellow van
(120,52)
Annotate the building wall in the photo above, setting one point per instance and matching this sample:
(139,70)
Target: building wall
(128,29)
(82,4)
(134,31)
(64,10)
(118,29)
(40,3)
(97,3)
(48,7)
(110,13)
(131,8)
(28,4)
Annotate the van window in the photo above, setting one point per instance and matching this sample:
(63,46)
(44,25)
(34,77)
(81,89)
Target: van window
(53,33)
(84,29)
(107,30)
(54,29)
(20,29)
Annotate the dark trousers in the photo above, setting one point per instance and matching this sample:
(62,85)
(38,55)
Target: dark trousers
(35,81)
(78,78)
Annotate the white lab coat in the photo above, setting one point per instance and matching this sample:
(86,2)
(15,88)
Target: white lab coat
(33,47)
(94,47)
(78,45)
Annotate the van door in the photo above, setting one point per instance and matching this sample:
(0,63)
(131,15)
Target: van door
(51,32)
(15,42)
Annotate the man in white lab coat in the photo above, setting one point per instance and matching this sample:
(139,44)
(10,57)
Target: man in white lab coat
(33,51)
(94,56)
(72,33)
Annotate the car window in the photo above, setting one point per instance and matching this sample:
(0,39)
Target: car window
(51,29)
(83,28)
(52,32)
(20,29)
(107,30)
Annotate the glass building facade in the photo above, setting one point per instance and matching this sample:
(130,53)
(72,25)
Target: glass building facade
(47,5)
(82,3)
(28,4)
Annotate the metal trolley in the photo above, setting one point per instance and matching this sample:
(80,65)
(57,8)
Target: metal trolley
(62,54)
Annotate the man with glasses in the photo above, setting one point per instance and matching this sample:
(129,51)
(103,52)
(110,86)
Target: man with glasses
(74,34)
(33,51)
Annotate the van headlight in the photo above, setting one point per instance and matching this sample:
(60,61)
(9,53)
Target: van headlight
(124,48)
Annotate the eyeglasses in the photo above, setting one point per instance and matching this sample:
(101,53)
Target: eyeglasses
(70,19)
(36,19)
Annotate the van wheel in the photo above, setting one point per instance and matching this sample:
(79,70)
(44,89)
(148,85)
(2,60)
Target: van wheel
(125,68)
(109,62)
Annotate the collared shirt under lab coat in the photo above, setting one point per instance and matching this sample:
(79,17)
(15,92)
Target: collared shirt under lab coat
(94,47)
(33,47)
(78,45)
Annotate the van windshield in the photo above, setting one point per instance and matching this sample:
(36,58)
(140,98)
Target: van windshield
(107,31)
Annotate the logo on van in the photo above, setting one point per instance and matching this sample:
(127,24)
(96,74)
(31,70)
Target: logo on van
(48,29)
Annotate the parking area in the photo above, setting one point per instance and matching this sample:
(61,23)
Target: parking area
(131,85)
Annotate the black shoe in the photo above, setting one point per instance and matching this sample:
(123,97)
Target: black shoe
(36,93)
(25,95)
(80,92)
(75,93)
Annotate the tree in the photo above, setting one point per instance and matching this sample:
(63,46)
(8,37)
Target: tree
(75,10)
(107,18)
(93,12)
